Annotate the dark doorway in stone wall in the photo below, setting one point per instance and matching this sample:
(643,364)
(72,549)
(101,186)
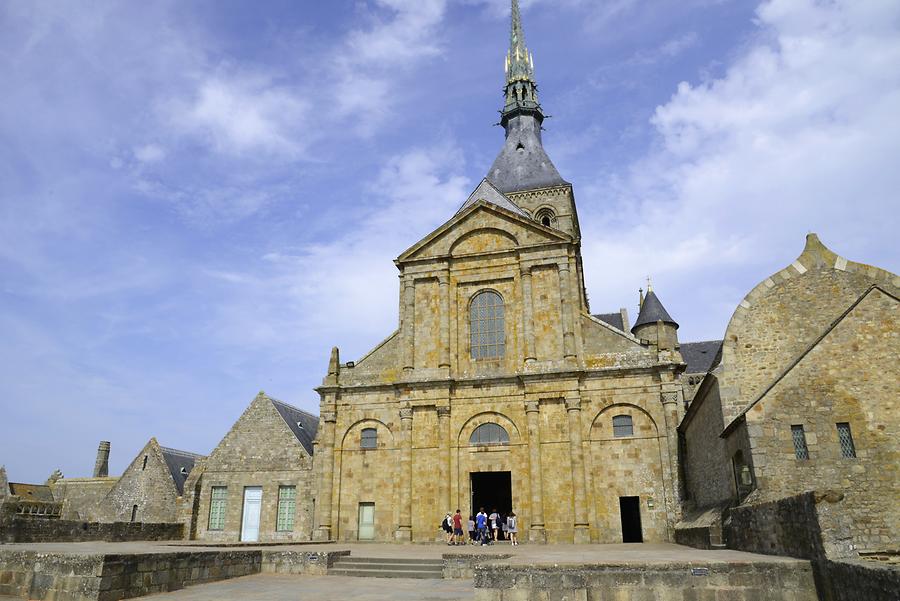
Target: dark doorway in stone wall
(491,490)
(630,509)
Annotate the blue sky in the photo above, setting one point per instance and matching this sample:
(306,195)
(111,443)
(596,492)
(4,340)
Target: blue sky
(198,200)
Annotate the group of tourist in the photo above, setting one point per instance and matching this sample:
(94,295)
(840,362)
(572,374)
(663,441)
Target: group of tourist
(482,528)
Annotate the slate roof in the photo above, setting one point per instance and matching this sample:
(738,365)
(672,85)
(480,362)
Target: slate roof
(523,163)
(31,492)
(176,460)
(489,193)
(700,356)
(613,319)
(652,311)
(304,425)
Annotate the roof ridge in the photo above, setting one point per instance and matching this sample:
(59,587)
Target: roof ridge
(304,411)
(704,341)
(180,452)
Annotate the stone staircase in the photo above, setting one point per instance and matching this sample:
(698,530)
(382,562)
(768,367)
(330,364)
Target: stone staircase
(387,567)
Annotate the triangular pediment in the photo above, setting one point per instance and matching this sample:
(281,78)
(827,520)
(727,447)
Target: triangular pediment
(483,226)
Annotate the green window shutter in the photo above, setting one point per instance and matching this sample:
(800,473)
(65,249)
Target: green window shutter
(218,502)
(287,506)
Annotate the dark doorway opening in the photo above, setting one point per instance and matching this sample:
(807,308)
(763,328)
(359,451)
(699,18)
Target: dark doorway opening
(491,490)
(630,509)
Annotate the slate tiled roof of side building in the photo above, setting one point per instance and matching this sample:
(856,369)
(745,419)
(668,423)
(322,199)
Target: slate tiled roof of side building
(700,356)
(304,425)
(180,464)
(613,319)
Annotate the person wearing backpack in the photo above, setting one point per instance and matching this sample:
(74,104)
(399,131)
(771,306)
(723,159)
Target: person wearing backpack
(511,528)
(447,527)
(481,525)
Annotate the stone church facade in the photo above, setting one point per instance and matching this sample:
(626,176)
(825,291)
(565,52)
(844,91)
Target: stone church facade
(500,389)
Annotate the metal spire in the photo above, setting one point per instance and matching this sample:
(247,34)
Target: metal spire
(521,88)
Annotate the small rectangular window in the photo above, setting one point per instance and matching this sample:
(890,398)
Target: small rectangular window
(287,505)
(848,449)
(800,449)
(217,504)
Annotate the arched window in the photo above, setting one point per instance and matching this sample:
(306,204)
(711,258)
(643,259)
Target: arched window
(486,321)
(489,434)
(546,217)
(623,426)
(368,438)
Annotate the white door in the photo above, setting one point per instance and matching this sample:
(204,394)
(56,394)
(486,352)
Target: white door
(366,521)
(250,521)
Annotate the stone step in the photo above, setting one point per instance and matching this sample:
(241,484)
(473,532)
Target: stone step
(385,573)
(387,567)
(393,560)
(408,567)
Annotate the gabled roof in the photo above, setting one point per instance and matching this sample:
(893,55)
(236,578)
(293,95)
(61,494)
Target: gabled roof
(304,425)
(613,319)
(743,414)
(176,461)
(652,310)
(700,356)
(488,192)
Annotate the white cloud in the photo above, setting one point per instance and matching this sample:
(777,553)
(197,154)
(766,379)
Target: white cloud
(150,153)
(338,291)
(240,115)
(800,134)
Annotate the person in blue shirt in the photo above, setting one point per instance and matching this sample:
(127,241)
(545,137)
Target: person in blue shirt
(481,525)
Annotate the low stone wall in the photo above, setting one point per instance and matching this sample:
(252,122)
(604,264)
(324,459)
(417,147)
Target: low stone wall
(69,577)
(808,526)
(701,529)
(782,581)
(36,530)
(462,565)
(860,580)
(31,575)
(293,562)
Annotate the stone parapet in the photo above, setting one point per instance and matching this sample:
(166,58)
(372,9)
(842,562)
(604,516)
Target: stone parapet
(673,581)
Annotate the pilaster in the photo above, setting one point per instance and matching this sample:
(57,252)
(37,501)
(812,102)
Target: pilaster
(528,315)
(444,290)
(443,415)
(536,533)
(409,318)
(404,528)
(325,449)
(582,531)
(565,297)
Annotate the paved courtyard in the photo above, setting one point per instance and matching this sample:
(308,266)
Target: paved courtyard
(615,553)
(277,587)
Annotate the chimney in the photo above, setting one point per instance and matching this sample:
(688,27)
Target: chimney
(101,467)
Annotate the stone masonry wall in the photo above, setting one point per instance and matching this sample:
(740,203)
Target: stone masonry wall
(784,314)
(82,497)
(707,470)
(791,581)
(35,530)
(852,377)
(807,526)
(259,450)
(146,484)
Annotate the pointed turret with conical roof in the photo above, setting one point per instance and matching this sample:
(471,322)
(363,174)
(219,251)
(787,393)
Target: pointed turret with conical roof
(522,164)
(654,323)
